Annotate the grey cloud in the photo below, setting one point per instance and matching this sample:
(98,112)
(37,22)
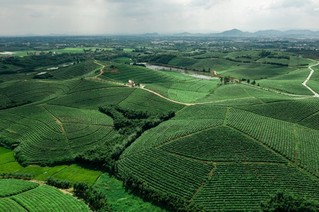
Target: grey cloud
(164,16)
(284,4)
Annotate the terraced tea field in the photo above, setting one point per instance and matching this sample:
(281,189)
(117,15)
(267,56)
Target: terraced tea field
(19,195)
(179,141)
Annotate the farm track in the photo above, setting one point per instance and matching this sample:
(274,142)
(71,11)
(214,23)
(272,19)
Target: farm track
(217,101)
(308,78)
(101,70)
(204,183)
(56,119)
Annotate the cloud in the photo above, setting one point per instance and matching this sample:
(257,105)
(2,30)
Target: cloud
(165,16)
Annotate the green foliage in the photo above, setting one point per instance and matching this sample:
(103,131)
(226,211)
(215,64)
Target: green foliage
(128,121)
(164,176)
(78,174)
(166,200)
(162,59)
(76,70)
(277,135)
(11,187)
(13,175)
(28,92)
(242,187)
(53,129)
(221,144)
(95,199)
(288,202)
(47,198)
(201,157)
(59,183)
(293,111)
(119,198)
(7,204)
(264,53)
(130,124)
(30,63)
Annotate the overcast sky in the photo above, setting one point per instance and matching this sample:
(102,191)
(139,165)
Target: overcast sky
(19,17)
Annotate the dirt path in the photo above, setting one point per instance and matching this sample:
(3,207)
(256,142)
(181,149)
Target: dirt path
(308,78)
(56,119)
(168,99)
(203,103)
(101,70)
(65,191)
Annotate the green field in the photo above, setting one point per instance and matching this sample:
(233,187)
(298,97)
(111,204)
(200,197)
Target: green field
(120,199)
(75,50)
(117,196)
(177,139)
(19,195)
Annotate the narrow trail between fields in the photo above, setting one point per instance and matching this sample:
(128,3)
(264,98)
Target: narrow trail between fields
(56,119)
(217,101)
(308,78)
(68,191)
(101,70)
(168,99)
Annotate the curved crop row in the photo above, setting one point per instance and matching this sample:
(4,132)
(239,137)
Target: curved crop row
(238,187)
(170,130)
(222,144)
(165,172)
(47,198)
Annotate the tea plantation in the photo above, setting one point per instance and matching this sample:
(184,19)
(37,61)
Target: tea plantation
(124,137)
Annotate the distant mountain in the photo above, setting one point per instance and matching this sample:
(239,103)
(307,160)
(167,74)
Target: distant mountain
(269,34)
(188,34)
(233,33)
(236,33)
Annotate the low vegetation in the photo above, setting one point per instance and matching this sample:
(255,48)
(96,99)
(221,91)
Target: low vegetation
(208,125)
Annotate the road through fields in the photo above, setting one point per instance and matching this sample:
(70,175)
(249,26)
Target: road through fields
(308,78)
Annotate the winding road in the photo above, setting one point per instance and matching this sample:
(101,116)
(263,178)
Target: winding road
(202,103)
(308,78)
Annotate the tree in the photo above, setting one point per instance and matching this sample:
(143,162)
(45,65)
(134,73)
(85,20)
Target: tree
(264,53)
(288,202)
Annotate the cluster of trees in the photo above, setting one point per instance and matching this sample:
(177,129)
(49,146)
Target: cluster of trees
(253,82)
(244,56)
(165,200)
(95,199)
(8,142)
(15,175)
(64,184)
(276,63)
(130,124)
(161,59)
(101,156)
(279,57)
(289,202)
(43,76)
(264,53)
(126,121)
(238,61)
